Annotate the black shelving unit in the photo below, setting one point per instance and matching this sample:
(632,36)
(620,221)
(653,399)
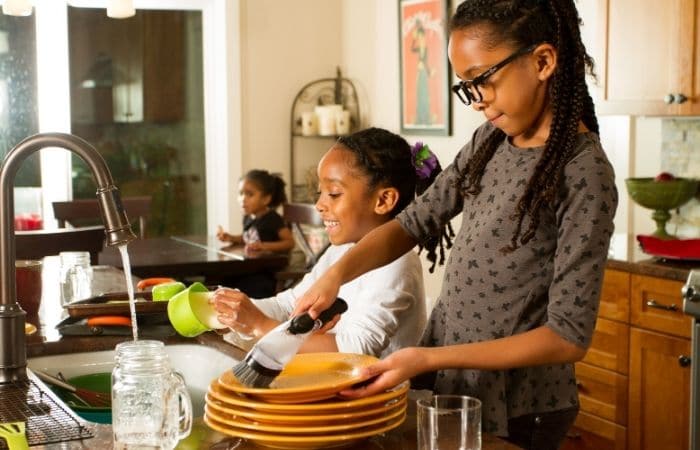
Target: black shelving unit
(305,151)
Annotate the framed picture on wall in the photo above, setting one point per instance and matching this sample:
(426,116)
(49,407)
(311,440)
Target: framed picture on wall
(424,84)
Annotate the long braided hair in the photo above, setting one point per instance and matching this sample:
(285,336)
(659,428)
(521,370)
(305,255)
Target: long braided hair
(387,161)
(522,23)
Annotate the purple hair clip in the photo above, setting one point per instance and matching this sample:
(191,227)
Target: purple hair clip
(423,160)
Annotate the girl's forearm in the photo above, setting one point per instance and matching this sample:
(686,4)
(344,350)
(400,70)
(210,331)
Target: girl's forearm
(277,246)
(377,248)
(533,348)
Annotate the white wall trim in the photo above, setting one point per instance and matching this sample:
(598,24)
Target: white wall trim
(222,109)
(53,98)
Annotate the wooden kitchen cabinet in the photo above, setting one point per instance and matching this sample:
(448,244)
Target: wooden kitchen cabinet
(602,375)
(593,433)
(657,304)
(615,296)
(135,67)
(647,55)
(610,346)
(634,383)
(659,391)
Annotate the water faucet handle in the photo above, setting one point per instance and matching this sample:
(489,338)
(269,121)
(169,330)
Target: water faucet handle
(117,227)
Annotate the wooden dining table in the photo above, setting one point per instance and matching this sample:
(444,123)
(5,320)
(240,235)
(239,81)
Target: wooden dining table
(191,257)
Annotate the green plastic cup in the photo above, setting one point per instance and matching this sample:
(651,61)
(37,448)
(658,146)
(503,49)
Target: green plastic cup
(190,313)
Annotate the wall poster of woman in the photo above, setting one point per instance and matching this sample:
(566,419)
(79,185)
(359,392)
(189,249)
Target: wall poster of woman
(425,101)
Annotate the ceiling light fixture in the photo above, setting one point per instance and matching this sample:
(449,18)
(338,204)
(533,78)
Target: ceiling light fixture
(120,9)
(17,7)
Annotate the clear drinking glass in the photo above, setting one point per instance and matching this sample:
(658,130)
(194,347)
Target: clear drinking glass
(76,276)
(151,408)
(449,422)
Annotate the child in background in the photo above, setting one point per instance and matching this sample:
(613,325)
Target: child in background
(264,230)
(259,193)
(537,196)
(365,179)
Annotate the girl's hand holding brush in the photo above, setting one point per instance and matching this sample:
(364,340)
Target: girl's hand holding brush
(320,296)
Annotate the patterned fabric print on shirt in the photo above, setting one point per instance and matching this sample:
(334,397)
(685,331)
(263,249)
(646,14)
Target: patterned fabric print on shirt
(553,280)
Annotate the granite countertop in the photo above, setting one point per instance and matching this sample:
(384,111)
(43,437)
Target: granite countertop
(625,254)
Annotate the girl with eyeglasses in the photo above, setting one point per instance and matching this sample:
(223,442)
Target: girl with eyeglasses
(537,197)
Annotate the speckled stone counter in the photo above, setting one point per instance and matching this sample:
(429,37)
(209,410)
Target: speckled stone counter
(626,255)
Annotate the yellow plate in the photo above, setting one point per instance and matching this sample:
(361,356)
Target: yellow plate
(307,377)
(327,406)
(301,419)
(29,328)
(302,441)
(309,428)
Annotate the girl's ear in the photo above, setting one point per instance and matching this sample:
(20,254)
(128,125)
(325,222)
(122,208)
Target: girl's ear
(267,198)
(386,200)
(546,60)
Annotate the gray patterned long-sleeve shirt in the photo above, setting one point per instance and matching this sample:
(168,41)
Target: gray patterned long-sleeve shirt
(554,280)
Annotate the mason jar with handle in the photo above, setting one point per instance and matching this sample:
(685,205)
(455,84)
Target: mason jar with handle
(151,407)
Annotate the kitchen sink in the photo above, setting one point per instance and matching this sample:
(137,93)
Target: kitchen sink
(198,364)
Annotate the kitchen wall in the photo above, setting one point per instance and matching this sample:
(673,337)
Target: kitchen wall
(284,45)
(680,142)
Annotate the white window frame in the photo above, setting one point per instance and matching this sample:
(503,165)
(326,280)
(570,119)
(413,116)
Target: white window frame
(222,105)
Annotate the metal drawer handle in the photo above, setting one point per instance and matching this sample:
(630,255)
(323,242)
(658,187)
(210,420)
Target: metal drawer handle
(654,304)
(684,361)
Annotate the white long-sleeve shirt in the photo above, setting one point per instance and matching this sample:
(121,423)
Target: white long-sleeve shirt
(386,307)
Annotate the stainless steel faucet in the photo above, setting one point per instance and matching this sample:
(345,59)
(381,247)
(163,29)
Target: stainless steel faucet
(13,353)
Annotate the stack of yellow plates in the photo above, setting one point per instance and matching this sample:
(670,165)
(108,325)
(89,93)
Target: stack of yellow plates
(301,409)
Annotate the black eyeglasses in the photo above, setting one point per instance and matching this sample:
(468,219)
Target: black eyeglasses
(468,90)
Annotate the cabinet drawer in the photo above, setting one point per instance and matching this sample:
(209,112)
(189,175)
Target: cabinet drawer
(614,296)
(593,433)
(602,393)
(657,304)
(610,346)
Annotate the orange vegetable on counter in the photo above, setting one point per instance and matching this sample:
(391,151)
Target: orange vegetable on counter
(148,282)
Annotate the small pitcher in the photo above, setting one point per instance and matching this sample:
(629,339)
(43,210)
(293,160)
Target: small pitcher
(151,408)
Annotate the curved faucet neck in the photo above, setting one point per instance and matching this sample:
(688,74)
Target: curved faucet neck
(13,358)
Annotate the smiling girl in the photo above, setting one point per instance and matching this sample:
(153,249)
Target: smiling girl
(365,179)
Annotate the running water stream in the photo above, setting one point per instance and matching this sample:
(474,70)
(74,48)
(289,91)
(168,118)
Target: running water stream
(129,289)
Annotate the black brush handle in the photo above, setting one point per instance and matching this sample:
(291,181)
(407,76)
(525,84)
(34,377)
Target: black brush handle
(304,323)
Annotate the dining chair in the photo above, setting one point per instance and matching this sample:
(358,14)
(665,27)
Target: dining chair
(82,211)
(36,244)
(306,224)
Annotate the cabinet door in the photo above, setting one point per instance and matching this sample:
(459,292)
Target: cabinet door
(163,62)
(615,296)
(659,393)
(648,55)
(692,107)
(657,304)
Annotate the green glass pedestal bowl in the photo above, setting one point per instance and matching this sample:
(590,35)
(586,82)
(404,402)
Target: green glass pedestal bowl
(661,196)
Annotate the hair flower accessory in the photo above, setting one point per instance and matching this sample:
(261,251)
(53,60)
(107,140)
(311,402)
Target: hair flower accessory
(423,160)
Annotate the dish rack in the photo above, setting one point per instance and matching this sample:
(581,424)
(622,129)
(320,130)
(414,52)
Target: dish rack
(47,420)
